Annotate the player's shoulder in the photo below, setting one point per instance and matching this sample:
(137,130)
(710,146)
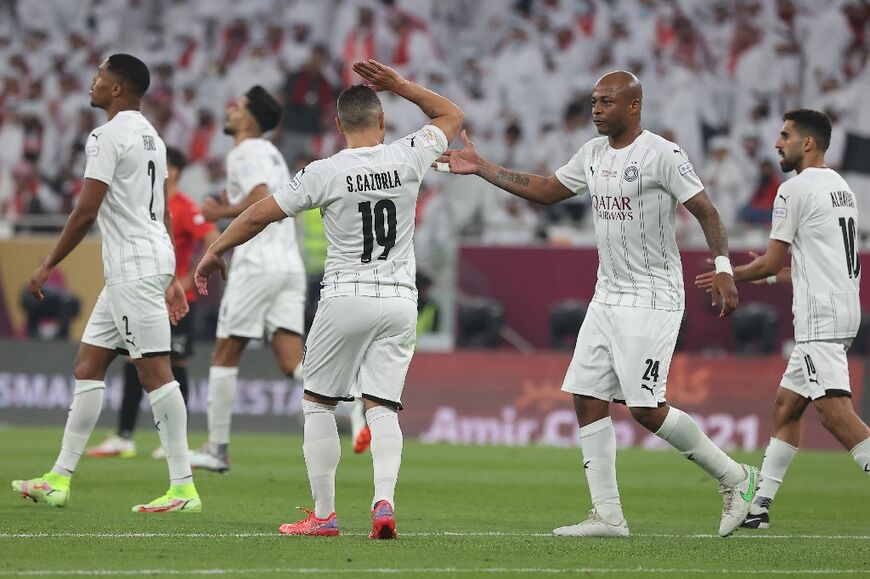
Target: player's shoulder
(594,146)
(427,136)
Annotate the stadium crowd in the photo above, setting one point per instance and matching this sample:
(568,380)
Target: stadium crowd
(717,76)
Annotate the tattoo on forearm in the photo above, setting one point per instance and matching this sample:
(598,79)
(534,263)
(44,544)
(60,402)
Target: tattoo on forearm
(509,177)
(714,231)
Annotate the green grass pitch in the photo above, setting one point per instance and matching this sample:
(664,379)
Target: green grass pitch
(461,512)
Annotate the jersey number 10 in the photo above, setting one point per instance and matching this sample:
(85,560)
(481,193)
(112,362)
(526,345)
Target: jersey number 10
(384,228)
(853,264)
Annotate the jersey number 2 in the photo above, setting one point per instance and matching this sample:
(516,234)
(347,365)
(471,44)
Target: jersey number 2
(152,172)
(384,227)
(852,262)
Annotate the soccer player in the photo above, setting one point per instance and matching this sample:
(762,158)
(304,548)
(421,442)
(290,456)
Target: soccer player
(815,216)
(625,345)
(124,190)
(363,335)
(189,229)
(265,293)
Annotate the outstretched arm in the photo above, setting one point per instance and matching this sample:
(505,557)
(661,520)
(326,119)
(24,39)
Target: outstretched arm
(445,114)
(467,161)
(761,267)
(722,284)
(77,225)
(243,228)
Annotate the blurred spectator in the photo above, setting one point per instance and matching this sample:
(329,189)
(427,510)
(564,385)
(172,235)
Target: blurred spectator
(758,210)
(724,181)
(309,103)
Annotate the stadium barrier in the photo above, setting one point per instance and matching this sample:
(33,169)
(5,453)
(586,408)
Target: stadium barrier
(465,397)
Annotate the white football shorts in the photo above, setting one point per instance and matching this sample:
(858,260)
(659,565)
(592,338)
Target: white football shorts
(257,306)
(818,368)
(360,347)
(132,318)
(623,354)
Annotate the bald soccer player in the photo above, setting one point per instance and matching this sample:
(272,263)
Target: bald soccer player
(625,346)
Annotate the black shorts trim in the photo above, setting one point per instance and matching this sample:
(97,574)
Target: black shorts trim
(659,405)
(126,352)
(330,398)
(836,393)
(397,406)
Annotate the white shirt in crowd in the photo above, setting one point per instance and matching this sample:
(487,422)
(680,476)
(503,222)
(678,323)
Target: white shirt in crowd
(251,163)
(635,191)
(367,197)
(815,212)
(127,155)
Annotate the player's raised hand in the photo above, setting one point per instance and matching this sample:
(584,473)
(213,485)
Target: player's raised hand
(38,279)
(176,302)
(380,76)
(464,161)
(723,290)
(209,264)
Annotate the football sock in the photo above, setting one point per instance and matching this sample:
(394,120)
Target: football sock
(777,458)
(130,401)
(357,416)
(386,448)
(222,383)
(598,443)
(180,375)
(170,418)
(861,454)
(83,414)
(322,450)
(682,433)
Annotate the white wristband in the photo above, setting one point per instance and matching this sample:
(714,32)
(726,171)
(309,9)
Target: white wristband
(723,265)
(771,279)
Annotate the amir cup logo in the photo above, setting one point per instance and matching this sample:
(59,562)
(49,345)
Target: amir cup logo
(630,173)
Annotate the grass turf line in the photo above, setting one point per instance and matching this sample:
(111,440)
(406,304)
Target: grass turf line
(518,494)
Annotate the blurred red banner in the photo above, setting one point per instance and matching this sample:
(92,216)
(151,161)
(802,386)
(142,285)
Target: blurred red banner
(515,399)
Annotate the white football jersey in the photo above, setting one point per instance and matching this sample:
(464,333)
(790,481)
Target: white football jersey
(127,155)
(367,197)
(634,193)
(815,213)
(275,250)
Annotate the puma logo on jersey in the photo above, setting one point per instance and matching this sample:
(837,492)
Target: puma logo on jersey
(784,200)
(95,136)
(412,141)
(645,387)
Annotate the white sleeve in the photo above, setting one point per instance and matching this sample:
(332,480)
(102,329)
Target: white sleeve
(573,173)
(423,147)
(306,190)
(249,171)
(102,153)
(786,214)
(678,174)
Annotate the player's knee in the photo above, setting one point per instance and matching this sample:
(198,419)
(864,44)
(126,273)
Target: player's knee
(648,418)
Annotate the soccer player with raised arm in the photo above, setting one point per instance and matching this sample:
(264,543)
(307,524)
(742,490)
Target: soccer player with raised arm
(625,346)
(814,216)
(265,293)
(125,193)
(363,335)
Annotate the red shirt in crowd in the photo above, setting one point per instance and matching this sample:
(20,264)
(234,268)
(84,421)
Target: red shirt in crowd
(188,226)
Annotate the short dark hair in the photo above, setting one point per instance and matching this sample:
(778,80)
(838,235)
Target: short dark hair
(358,107)
(134,73)
(175,158)
(812,123)
(264,108)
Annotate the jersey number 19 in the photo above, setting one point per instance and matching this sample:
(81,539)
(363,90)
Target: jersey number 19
(384,227)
